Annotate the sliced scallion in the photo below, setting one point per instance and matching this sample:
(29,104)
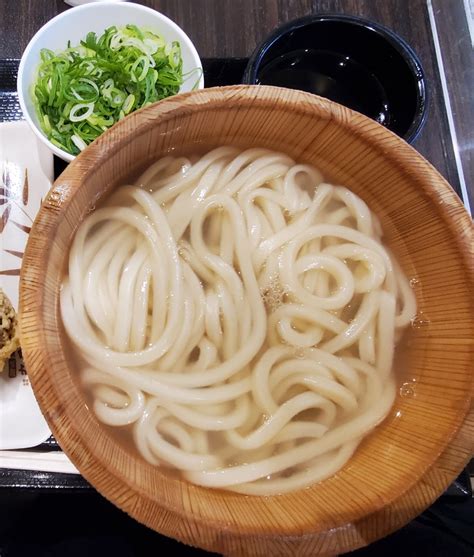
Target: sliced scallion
(85,89)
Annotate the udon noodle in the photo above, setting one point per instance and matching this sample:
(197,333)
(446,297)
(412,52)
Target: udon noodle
(239,316)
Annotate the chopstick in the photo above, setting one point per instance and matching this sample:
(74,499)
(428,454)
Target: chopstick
(40,462)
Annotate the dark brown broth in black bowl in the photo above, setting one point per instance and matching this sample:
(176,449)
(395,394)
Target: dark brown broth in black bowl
(351,61)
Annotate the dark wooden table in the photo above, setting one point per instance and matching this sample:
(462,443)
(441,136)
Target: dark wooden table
(233,28)
(438,32)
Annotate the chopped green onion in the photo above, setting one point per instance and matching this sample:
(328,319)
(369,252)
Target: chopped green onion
(78,142)
(128,104)
(46,124)
(85,109)
(145,65)
(85,89)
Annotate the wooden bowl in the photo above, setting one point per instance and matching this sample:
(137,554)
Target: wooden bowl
(428,436)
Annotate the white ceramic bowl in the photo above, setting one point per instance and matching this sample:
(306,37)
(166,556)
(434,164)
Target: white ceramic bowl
(73,25)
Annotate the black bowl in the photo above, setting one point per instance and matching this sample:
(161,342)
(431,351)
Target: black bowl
(349,60)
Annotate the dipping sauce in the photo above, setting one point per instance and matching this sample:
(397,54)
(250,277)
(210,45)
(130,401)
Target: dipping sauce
(330,75)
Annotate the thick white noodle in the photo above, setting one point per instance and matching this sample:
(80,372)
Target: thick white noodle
(240,316)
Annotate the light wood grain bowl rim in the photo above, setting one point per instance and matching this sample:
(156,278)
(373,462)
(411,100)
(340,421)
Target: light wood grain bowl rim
(453,453)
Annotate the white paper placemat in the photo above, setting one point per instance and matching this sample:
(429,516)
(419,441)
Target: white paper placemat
(26,174)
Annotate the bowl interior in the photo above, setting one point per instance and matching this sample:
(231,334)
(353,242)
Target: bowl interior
(73,25)
(425,225)
(348,60)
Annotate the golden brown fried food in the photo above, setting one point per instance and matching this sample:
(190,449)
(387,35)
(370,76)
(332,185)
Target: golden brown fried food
(9,334)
